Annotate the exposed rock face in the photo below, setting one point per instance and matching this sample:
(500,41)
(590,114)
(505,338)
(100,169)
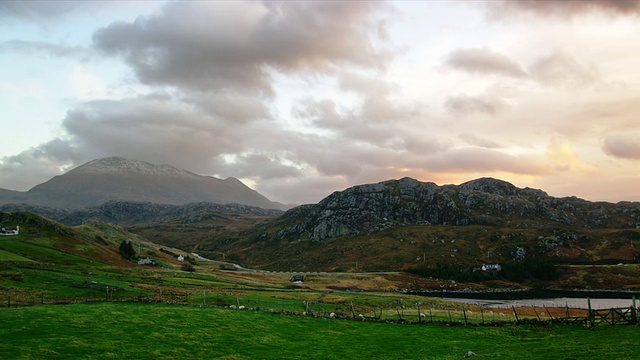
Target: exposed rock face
(114,178)
(486,201)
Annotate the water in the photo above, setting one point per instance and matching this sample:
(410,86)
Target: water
(542,297)
(574,303)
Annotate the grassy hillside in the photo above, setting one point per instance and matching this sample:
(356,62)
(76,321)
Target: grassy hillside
(49,261)
(130,331)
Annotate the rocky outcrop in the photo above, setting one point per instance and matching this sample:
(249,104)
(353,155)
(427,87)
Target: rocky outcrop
(373,207)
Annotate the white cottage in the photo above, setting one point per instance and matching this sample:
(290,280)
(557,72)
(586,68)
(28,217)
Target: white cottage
(491,267)
(5,230)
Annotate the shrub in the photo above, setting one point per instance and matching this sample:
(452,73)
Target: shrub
(187,267)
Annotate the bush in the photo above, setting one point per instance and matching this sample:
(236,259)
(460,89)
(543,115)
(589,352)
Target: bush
(187,267)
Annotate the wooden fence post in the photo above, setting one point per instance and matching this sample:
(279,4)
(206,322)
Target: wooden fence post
(591,315)
(535,312)
(549,313)
(515,313)
(464,313)
(634,312)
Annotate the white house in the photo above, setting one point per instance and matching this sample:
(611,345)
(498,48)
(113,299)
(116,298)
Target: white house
(491,267)
(180,258)
(9,230)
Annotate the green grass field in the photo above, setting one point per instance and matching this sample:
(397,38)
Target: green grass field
(159,331)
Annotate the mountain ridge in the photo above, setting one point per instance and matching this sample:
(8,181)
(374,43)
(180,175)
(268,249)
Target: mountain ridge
(485,201)
(115,178)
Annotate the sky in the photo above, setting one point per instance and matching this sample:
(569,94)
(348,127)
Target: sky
(299,99)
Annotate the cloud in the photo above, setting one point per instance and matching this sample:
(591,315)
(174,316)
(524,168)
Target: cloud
(561,69)
(45,11)
(476,159)
(39,47)
(484,61)
(36,165)
(562,8)
(235,45)
(463,104)
(156,128)
(475,140)
(623,145)
(263,167)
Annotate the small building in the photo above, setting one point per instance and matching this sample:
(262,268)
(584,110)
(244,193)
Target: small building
(297,278)
(147,261)
(5,230)
(491,267)
(180,258)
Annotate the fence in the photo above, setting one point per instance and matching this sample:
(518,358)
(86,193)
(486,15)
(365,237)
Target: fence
(395,312)
(613,316)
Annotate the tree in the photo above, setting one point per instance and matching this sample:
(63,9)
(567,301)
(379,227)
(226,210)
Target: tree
(127,251)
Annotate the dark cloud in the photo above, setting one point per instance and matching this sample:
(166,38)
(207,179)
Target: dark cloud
(562,8)
(233,45)
(625,146)
(232,107)
(561,69)
(484,61)
(463,104)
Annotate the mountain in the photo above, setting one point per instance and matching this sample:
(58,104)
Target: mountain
(486,201)
(405,223)
(114,178)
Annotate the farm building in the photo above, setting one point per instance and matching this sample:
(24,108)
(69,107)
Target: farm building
(5,230)
(491,267)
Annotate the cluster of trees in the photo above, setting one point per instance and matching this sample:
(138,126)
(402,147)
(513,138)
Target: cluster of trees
(527,270)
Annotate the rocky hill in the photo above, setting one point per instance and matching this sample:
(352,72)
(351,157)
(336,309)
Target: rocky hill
(404,223)
(486,201)
(114,178)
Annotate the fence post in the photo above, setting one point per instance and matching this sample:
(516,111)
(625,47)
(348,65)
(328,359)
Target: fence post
(591,316)
(634,312)
(515,313)
(464,313)
(535,312)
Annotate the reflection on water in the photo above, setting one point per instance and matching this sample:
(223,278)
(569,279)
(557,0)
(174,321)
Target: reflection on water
(576,303)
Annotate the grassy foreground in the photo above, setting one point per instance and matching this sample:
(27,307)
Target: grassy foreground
(160,331)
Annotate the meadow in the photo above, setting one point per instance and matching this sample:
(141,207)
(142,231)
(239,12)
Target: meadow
(127,330)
